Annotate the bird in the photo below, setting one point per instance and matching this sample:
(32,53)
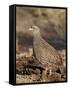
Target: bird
(44,52)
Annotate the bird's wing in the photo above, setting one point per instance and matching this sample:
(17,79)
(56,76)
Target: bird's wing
(51,51)
(46,45)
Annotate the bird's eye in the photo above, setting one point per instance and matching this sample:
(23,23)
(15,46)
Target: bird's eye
(31,27)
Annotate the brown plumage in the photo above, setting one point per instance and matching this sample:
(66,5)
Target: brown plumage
(44,52)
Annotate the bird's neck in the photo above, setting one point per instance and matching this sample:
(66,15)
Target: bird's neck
(37,36)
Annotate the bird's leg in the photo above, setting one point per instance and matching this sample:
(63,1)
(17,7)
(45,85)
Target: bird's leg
(47,72)
(44,75)
(50,72)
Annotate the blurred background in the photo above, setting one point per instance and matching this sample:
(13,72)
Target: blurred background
(52,24)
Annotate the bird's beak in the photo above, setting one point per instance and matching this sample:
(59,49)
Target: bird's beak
(30,29)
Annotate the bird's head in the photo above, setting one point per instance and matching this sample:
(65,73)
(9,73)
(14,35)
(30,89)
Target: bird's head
(35,30)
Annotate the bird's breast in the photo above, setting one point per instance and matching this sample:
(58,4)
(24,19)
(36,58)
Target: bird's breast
(39,52)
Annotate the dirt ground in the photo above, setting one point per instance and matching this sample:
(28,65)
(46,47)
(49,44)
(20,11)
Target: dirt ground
(34,75)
